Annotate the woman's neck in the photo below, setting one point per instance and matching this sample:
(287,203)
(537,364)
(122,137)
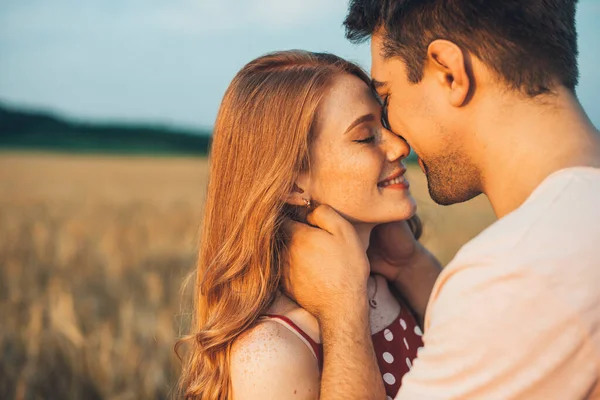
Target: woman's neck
(364,234)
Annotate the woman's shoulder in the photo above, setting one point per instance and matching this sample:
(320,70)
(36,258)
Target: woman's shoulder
(302,319)
(270,362)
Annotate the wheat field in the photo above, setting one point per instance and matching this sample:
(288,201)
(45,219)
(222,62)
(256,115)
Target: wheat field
(93,253)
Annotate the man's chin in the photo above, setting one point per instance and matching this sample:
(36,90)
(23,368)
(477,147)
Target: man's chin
(445,188)
(448,198)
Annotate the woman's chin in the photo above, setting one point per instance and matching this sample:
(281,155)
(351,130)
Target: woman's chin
(382,217)
(404,213)
(402,210)
(412,207)
(379,213)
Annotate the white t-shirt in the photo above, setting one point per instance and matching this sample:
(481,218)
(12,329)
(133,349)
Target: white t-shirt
(516,314)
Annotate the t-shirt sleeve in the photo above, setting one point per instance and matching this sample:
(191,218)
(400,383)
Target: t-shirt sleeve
(495,333)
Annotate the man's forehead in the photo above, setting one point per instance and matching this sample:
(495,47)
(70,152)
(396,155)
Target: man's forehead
(377,61)
(378,78)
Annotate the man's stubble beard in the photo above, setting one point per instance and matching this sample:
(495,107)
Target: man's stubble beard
(451,179)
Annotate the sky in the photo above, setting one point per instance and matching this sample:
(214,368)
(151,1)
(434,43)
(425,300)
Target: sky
(170,61)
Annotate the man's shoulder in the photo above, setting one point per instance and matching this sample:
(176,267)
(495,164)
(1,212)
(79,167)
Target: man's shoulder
(561,216)
(547,249)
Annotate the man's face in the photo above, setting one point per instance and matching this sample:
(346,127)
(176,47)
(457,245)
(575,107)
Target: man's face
(422,114)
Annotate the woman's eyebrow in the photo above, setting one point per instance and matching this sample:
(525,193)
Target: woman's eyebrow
(360,120)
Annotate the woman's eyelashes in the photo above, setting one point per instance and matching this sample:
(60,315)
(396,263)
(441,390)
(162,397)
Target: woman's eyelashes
(369,139)
(368,136)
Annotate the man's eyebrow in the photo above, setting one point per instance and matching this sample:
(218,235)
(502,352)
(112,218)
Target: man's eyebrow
(360,120)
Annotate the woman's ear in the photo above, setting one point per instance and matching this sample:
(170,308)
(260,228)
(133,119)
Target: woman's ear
(299,194)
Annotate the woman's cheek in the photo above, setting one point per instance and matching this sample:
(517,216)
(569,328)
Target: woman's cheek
(331,186)
(349,187)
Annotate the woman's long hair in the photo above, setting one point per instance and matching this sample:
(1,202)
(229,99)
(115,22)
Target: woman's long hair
(260,145)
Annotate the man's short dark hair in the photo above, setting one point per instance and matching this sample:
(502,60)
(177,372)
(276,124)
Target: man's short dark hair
(531,44)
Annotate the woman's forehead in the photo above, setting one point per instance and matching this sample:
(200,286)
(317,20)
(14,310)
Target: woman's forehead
(346,99)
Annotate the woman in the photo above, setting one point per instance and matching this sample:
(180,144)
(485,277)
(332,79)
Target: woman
(295,129)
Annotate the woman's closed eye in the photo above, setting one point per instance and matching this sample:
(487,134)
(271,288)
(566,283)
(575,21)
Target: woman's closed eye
(369,139)
(367,134)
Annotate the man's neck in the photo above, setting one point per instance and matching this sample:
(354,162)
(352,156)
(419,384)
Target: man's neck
(529,142)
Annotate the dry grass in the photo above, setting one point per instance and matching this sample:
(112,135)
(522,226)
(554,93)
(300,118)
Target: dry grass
(93,251)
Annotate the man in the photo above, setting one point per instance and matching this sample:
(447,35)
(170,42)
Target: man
(484,92)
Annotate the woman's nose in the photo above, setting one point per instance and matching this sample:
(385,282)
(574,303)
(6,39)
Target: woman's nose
(395,146)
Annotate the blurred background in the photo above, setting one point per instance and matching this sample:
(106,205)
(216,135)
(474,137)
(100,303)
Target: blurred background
(106,110)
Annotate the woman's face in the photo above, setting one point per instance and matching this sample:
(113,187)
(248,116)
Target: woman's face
(355,163)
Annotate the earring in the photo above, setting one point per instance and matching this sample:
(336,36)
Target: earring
(307,202)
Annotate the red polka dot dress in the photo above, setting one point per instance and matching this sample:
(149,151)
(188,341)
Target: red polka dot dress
(395,347)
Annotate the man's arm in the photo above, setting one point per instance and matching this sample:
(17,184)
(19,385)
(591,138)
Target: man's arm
(327,275)
(416,282)
(412,269)
(496,331)
(350,369)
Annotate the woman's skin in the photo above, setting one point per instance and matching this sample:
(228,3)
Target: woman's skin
(353,158)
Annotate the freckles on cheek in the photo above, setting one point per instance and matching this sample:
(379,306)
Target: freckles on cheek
(344,182)
(328,176)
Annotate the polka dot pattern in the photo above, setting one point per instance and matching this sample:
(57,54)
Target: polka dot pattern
(388,357)
(389,378)
(389,336)
(396,348)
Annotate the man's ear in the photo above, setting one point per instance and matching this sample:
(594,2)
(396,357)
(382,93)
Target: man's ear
(447,62)
(299,194)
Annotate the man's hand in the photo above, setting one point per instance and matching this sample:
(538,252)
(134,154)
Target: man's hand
(396,254)
(393,248)
(327,275)
(328,269)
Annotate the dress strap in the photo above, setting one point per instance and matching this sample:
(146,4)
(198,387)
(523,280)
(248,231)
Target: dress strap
(315,348)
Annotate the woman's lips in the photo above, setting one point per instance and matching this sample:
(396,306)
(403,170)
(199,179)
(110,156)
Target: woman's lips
(395,181)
